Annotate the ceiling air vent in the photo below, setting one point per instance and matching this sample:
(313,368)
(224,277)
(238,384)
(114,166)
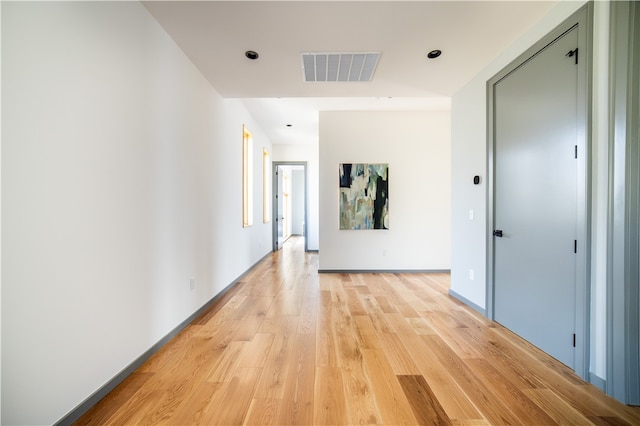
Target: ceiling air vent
(339,66)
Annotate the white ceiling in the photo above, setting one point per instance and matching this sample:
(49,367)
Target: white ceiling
(215,35)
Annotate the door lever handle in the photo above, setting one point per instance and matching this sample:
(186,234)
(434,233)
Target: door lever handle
(497,233)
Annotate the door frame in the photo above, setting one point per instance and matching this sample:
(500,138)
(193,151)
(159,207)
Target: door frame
(623,251)
(274,203)
(583,19)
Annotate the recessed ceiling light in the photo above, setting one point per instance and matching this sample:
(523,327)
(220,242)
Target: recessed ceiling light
(434,54)
(251,54)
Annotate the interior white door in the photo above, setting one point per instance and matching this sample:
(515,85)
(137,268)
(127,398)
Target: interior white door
(535,198)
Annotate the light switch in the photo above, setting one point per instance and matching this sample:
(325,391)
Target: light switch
(470,214)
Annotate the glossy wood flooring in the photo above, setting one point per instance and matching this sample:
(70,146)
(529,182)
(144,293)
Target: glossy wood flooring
(288,346)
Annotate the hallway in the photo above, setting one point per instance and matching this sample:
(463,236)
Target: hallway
(289,346)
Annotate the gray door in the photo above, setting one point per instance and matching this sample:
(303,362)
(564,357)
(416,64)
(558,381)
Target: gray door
(535,198)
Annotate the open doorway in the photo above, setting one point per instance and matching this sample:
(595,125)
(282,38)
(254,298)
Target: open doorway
(289,202)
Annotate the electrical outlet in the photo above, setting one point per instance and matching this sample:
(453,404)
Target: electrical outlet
(471,275)
(192,283)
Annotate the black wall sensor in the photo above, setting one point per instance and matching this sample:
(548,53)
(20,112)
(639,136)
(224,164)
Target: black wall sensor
(476,180)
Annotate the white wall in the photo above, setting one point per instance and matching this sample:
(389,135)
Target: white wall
(121,181)
(416,145)
(469,157)
(308,153)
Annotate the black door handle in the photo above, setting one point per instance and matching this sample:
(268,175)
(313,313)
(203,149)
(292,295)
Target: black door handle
(497,233)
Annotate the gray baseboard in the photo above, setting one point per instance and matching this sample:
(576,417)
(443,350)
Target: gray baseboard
(467,302)
(598,382)
(382,271)
(92,400)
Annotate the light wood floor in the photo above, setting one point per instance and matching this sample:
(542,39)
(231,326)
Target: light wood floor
(288,346)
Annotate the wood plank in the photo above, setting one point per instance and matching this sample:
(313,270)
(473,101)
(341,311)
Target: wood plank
(101,412)
(140,406)
(353,302)
(453,399)
(376,314)
(407,310)
(535,353)
(504,356)
(297,400)
(399,324)
(609,421)
(470,422)
(525,410)
(420,326)
(361,408)
(225,313)
(390,398)
(272,325)
(263,412)
(220,332)
(217,305)
(308,316)
(196,408)
(234,406)
(326,353)
(384,304)
(329,406)
(254,305)
(361,404)
(255,353)
(346,338)
(247,328)
(180,382)
(555,407)
(397,355)
(170,354)
(226,367)
(324,283)
(286,304)
(272,381)
(424,403)
(165,391)
(366,333)
(393,289)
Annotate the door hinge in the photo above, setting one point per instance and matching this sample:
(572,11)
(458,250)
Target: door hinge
(574,340)
(575,246)
(573,53)
(576,151)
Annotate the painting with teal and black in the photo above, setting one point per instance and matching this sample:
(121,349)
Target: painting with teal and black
(364,196)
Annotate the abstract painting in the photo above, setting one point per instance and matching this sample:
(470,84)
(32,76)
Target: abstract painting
(364,196)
